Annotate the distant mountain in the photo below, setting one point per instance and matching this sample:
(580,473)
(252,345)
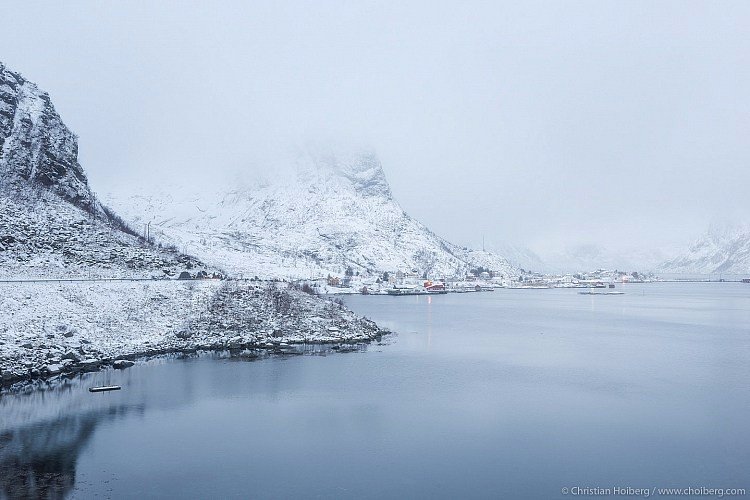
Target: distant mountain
(520,256)
(327,212)
(51,223)
(588,257)
(724,248)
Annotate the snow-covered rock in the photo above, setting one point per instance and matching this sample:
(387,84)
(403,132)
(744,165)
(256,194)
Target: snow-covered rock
(35,145)
(327,212)
(121,364)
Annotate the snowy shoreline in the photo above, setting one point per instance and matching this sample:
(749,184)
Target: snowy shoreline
(62,329)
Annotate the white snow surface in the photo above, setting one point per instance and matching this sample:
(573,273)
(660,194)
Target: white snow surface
(325,213)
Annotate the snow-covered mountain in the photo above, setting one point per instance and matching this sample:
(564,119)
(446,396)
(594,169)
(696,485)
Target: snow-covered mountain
(724,248)
(51,223)
(322,212)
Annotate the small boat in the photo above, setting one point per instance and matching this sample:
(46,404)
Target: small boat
(105,388)
(592,292)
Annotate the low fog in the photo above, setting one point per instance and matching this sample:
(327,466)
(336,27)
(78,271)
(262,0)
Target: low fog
(547,125)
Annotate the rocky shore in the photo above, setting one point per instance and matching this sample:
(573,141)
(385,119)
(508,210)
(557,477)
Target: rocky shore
(61,329)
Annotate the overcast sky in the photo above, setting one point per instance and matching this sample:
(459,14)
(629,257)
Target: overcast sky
(545,124)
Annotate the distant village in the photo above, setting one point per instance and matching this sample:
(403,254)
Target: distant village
(478,280)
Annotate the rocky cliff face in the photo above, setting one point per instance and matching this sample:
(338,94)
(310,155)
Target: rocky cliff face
(330,212)
(362,170)
(51,223)
(36,148)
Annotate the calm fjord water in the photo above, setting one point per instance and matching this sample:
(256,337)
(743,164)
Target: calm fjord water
(511,394)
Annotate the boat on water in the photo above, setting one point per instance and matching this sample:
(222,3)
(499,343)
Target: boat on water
(594,292)
(105,388)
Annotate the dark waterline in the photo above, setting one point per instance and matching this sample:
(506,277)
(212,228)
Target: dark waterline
(514,394)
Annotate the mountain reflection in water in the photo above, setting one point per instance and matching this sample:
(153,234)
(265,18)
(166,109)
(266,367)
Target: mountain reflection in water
(44,429)
(39,460)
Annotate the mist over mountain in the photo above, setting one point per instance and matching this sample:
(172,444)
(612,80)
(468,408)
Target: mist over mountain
(588,257)
(519,256)
(323,211)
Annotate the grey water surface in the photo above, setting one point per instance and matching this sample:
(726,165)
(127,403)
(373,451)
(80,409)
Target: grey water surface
(508,394)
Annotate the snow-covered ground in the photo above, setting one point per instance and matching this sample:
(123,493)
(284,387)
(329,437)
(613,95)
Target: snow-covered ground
(48,329)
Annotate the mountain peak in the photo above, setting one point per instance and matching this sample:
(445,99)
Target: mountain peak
(361,169)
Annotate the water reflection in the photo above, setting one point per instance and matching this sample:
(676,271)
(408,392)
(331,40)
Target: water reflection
(39,461)
(44,429)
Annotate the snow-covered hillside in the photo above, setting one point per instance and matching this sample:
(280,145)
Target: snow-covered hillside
(42,236)
(723,249)
(326,212)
